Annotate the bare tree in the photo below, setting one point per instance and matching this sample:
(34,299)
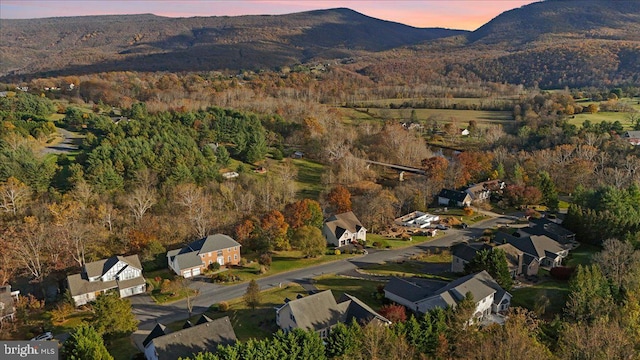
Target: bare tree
(620,263)
(140,200)
(32,249)
(198,206)
(13,195)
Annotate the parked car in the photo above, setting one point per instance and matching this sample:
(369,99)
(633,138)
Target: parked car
(464,225)
(42,337)
(442,227)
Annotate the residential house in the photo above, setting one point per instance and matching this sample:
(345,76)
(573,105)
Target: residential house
(192,259)
(417,219)
(205,336)
(482,191)
(546,251)
(454,198)
(120,273)
(343,229)
(320,312)
(7,303)
(463,253)
(633,137)
(544,226)
(489,297)
(297,155)
(515,261)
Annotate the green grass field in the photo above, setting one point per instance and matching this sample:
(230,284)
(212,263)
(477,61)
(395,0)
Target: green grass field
(247,323)
(555,291)
(365,290)
(309,178)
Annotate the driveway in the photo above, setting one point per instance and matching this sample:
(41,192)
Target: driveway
(70,142)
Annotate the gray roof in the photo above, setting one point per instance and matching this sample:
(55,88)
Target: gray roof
(320,311)
(79,283)
(466,251)
(512,253)
(339,223)
(158,330)
(480,285)
(539,246)
(198,338)
(632,134)
(100,267)
(454,195)
(188,256)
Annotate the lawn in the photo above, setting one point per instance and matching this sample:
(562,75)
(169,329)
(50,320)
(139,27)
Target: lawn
(176,292)
(365,290)
(259,323)
(121,348)
(599,117)
(417,265)
(309,178)
(556,291)
(282,261)
(581,255)
(392,243)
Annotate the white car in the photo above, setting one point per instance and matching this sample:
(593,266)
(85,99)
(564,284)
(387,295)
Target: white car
(42,337)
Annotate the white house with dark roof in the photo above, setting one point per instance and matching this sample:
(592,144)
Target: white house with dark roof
(206,335)
(449,197)
(320,312)
(343,229)
(489,297)
(192,259)
(121,273)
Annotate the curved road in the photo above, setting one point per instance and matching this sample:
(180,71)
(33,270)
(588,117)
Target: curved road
(150,313)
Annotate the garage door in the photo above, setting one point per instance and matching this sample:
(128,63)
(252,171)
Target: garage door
(187,274)
(195,271)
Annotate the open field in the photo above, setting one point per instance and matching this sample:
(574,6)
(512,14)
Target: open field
(309,178)
(463,101)
(440,115)
(530,297)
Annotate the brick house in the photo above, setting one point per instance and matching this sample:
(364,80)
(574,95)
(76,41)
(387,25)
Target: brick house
(192,259)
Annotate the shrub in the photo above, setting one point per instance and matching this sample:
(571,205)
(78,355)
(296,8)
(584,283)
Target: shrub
(336,252)
(467,211)
(243,262)
(215,266)
(223,306)
(395,313)
(265,260)
(561,272)
(165,286)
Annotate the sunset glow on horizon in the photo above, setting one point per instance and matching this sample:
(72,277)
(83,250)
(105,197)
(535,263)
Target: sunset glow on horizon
(453,14)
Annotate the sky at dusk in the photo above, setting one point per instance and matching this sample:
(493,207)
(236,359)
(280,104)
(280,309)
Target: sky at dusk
(454,14)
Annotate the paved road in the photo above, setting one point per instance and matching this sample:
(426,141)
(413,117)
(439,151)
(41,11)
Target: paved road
(70,143)
(149,313)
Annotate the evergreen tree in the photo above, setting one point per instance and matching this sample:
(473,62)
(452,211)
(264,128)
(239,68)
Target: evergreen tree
(113,316)
(223,156)
(548,189)
(84,342)
(589,295)
(494,261)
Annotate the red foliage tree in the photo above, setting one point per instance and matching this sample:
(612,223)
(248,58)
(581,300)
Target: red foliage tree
(340,199)
(476,165)
(305,212)
(244,231)
(435,167)
(274,230)
(395,313)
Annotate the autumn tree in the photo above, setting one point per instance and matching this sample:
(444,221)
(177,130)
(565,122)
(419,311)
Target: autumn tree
(339,198)
(305,212)
(394,313)
(252,295)
(309,240)
(273,231)
(435,167)
(34,248)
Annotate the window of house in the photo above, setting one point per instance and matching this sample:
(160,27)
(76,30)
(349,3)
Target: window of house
(229,258)
(210,262)
(219,252)
(235,256)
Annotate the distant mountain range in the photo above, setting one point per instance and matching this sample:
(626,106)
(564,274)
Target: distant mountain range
(550,43)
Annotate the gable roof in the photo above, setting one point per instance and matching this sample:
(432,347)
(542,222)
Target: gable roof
(539,246)
(340,223)
(189,256)
(359,311)
(458,196)
(466,251)
(199,338)
(632,134)
(79,283)
(413,290)
(158,330)
(512,253)
(100,267)
(320,311)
